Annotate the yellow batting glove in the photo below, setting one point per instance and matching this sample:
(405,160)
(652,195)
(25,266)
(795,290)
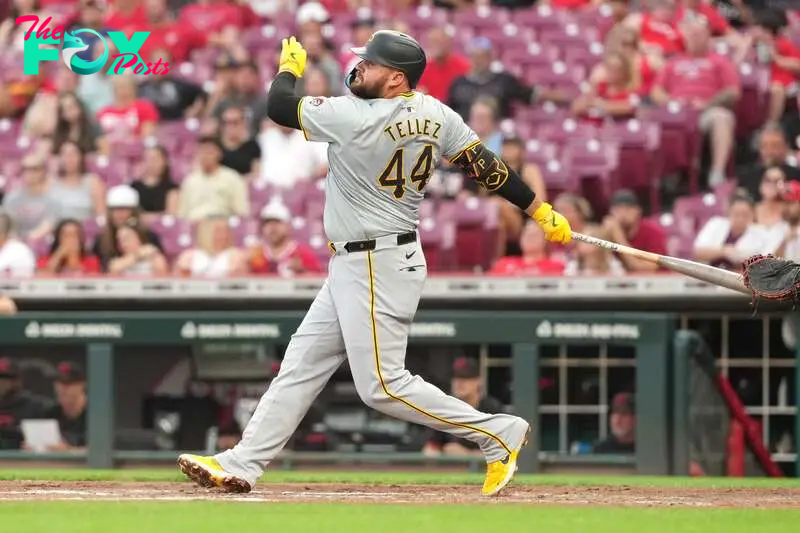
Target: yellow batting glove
(554,224)
(293,57)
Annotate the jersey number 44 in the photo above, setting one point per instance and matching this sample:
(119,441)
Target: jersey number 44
(393,176)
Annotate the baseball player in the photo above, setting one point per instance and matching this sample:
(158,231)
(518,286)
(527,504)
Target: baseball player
(384,140)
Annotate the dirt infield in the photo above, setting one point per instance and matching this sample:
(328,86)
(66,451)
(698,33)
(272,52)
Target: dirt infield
(624,496)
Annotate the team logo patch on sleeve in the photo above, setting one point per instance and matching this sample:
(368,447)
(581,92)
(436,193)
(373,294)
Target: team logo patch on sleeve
(316,101)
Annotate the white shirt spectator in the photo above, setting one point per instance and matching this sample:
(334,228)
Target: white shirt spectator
(716,231)
(16,259)
(287,157)
(204,264)
(615,268)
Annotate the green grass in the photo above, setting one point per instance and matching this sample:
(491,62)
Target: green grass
(386,478)
(203,517)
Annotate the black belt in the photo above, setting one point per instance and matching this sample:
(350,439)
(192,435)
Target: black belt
(365,246)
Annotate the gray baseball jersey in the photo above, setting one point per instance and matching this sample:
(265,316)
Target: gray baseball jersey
(381,154)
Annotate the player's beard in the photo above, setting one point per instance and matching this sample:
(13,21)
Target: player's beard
(362,90)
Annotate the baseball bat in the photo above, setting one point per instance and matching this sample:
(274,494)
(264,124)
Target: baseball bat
(708,273)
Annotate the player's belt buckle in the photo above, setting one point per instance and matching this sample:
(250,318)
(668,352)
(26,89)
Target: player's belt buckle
(331,247)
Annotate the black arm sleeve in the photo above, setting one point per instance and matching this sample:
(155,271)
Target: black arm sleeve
(281,101)
(491,173)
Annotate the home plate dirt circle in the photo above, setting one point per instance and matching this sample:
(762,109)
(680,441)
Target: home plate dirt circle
(625,496)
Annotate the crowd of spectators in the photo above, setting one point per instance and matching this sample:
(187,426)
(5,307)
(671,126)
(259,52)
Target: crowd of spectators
(183,174)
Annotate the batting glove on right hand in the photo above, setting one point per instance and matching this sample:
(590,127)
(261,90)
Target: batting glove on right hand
(554,224)
(293,57)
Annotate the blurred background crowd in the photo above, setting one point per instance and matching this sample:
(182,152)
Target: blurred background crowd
(670,125)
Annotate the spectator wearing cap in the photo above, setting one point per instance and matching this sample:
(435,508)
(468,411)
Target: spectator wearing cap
(467,386)
(239,150)
(70,409)
(782,55)
(16,257)
(215,254)
(33,206)
(212,189)
(708,83)
(16,405)
(248,92)
(725,242)
(129,116)
(790,246)
(310,18)
(175,98)
(773,151)
(534,259)
(444,65)
(287,158)
(122,202)
(224,90)
(158,193)
(626,226)
(277,252)
(482,80)
(622,424)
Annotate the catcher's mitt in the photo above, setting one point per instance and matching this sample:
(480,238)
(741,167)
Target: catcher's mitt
(772,278)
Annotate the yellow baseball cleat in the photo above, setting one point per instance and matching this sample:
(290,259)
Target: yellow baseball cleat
(500,473)
(208,473)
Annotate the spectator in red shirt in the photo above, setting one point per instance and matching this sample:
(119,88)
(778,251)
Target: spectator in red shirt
(535,259)
(625,226)
(444,65)
(211,15)
(128,115)
(68,254)
(177,37)
(126,15)
(279,253)
(616,97)
(656,28)
(708,83)
(644,67)
(783,57)
(573,5)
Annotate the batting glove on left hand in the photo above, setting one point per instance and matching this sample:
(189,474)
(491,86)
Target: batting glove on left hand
(554,224)
(293,57)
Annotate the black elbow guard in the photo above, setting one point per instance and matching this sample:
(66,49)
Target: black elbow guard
(482,165)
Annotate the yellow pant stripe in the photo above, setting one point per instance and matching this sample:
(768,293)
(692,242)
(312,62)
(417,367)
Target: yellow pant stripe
(377,351)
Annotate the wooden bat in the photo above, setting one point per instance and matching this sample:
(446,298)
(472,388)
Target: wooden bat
(708,273)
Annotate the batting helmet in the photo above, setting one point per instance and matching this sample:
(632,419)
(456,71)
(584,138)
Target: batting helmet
(396,50)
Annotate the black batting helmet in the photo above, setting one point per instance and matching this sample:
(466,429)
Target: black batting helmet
(396,50)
